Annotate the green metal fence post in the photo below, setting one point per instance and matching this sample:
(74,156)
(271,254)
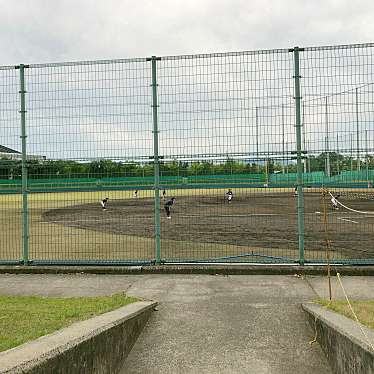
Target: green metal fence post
(300,194)
(154,60)
(25,210)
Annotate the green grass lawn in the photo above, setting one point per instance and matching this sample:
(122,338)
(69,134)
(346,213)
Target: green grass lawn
(363,309)
(26,318)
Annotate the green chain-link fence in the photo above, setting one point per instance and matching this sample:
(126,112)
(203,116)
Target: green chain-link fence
(245,142)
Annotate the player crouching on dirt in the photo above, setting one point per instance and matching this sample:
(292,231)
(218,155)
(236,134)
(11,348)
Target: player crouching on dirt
(103,202)
(230,195)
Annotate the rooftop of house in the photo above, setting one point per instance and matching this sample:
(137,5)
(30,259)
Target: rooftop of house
(4,149)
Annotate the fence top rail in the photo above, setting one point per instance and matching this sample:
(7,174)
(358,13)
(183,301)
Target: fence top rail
(339,46)
(226,54)
(88,62)
(147,59)
(191,56)
(9,67)
(267,51)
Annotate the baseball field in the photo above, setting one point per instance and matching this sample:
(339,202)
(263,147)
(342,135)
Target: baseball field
(258,225)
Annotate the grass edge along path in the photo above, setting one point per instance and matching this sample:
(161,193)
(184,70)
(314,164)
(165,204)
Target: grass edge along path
(25,318)
(363,308)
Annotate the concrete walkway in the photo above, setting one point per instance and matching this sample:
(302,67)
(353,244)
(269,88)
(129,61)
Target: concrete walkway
(205,324)
(233,324)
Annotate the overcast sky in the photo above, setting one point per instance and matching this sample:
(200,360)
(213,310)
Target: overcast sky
(104,110)
(68,30)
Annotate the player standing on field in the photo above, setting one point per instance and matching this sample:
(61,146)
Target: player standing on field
(334,202)
(229,195)
(163,195)
(103,202)
(168,206)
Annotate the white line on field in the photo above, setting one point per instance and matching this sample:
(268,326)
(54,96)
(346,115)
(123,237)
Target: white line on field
(348,220)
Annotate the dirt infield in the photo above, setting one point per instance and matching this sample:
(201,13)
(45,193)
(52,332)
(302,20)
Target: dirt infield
(266,220)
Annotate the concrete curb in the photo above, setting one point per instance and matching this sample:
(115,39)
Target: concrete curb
(341,340)
(233,269)
(98,345)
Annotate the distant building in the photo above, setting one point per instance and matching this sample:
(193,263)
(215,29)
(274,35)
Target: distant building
(11,154)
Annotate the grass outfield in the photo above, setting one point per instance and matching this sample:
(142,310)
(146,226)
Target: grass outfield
(56,242)
(50,241)
(25,318)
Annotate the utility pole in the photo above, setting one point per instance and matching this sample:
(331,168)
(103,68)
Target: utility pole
(256,117)
(358,133)
(367,158)
(337,152)
(283,135)
(303,129)
(327,146)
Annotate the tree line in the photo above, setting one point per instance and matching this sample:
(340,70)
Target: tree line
(52,169)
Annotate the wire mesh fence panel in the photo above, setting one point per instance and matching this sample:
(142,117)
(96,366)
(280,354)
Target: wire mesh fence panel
(10,167)
(338,139)
(226,126)
(196,158)
(89,132)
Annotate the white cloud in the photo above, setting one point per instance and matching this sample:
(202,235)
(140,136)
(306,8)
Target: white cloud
(43,31)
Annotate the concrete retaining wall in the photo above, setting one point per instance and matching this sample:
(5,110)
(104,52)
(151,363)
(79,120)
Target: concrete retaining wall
(342,341)
(212,268)
(95,346)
